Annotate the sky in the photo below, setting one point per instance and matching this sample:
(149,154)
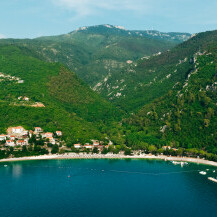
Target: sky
(34,18)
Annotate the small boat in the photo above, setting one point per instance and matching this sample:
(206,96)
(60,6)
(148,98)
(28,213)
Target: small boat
(178,162)
(202,172)
(214,171)
(212,179)
(5,165)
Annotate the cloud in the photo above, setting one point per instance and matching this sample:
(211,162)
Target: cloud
(84,8)
(2,36)
(156,12)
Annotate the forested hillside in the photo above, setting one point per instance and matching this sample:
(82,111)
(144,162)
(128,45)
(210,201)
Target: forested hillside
(95,52)
(186,115)
(168,98)
(153,77)
(57,99)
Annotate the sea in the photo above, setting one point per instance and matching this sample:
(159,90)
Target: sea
(106,188)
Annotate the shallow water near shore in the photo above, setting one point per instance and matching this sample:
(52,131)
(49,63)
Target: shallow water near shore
(104,187)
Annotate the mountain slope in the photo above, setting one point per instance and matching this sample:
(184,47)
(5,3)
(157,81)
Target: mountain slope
(97,51)
(186,116)
(57,98)
(153,77)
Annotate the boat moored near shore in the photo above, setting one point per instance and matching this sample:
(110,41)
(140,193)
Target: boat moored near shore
(212,179)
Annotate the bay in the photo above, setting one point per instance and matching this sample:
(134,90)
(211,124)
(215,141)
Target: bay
(104,187)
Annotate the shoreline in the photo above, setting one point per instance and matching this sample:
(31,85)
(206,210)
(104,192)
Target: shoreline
(110,156)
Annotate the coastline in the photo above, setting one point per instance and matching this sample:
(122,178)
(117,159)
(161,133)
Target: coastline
(110,156)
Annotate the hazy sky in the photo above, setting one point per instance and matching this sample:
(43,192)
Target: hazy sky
(33,18)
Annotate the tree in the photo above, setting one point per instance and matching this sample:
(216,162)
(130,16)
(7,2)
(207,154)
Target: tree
(95,150)
(191,98)
(179,152)
(116,151)
(32,140)
(160,150)
(11,149)
(210,113)
(177,128)
(55,149)
(104,151)
(44,151)
(111,148)
(206,122)
(24,149)
(39,142)
(49,145)
(62,151)
(127,151)
(152,149)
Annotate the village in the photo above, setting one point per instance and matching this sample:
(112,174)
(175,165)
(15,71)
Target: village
(18,137)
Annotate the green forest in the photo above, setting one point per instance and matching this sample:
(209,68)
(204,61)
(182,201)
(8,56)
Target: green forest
(165,99)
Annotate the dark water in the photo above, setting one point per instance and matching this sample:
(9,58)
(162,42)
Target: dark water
(105,188)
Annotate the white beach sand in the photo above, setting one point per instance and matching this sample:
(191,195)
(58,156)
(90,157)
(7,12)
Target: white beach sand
(111,156)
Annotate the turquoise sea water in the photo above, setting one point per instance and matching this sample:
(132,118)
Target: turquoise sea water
(106,188)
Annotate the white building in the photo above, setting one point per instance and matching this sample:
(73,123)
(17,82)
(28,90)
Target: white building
(26,98)
(110,143)
(21,142)
(10,143)
(48,135)
(52,140)
(88,146)
(59,133)
(3,137)
(95,142)
(38,130)
(17,130)
(11,137)
(77,145)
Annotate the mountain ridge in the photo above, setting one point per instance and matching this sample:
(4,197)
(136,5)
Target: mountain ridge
(138,80)
(97,51)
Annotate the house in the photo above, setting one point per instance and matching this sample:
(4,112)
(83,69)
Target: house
(95,142)
(100,147)
(26,98)
(25,137)
(52,140)
(77,145)
(166,147)
(48,135)
(12,137)
(59,133)
(110,143)
(21,142)
(17,130)
(38,130)
(3,137)
(129,61)
(10,143)
(30,133)
(88,146)
(25,132)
